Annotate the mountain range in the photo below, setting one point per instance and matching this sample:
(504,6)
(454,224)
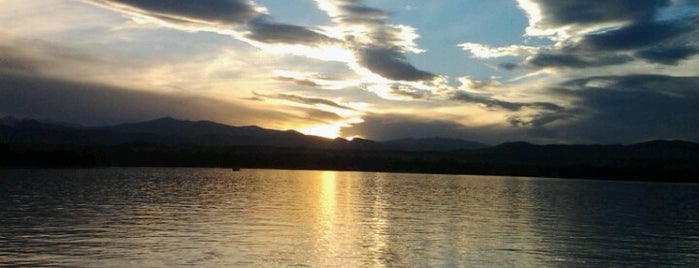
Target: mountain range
(170,142)
(170,131)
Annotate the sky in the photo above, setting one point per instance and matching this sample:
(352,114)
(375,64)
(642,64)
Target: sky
(543,71)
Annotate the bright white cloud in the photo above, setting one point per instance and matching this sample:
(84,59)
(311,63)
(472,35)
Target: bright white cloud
(486,52)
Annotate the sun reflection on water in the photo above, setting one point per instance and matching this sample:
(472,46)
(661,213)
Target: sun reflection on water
(328,199)
(283,218)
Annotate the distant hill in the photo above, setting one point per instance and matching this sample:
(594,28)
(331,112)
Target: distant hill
(172,131)
(8,121)
(167,131)
(670,160)
(433,144)
(183,143)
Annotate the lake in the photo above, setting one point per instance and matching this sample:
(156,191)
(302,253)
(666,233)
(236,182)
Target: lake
(165,217)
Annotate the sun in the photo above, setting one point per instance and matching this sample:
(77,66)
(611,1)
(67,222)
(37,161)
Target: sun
(325,131)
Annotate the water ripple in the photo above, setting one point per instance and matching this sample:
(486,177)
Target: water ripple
(266,218)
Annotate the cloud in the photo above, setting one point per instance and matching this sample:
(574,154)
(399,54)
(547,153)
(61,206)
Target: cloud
(365,58)
(491,102)
(315,80)
(301,82)
(636,35)
(622,109)
(269,32)
(358,36)
(538,120)
(544,60)
(394,126)
(509,66)
(322,116)
(517,113)
(379,47)
(201,12)
(21,56)
(409,92)
(547,16)
(596,34)
(304,100)
(486,101)
(241,18)
(30,87)
(667,56)
(470,84)
(351,11)
(391,64)
(593,33)
(384,127)
(604,109)
(480,51)
(10,62)
(96,104)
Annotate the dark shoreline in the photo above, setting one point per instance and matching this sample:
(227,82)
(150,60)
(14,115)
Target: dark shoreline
(547,162)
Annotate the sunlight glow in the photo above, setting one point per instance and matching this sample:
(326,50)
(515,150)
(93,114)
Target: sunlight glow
(333,53)
(325,131)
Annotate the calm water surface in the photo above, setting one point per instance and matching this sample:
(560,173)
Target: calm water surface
(271,218)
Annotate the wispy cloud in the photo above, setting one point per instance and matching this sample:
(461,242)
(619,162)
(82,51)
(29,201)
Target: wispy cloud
(359,36)
(379,46)
(595,34)
(217,13)
(304,100)
(486,52)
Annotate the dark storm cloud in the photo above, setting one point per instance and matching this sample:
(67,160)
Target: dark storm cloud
(622,109)
(544,60)
(667,56)
(304,100)
(219,11)
(391,64)
(558,13)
